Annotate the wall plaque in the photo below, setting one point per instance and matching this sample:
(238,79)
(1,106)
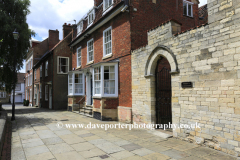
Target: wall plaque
(187,84)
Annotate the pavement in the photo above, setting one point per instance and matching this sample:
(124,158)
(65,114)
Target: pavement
(37,135)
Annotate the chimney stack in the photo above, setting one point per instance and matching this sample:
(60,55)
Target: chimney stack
(97,2)
(67,28)
(53,38)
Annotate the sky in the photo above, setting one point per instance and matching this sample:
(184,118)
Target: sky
(52,14)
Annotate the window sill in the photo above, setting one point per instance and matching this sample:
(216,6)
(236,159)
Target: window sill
(107,56)
(72,95)
(89,24)
(91,62)
(188,16)
(105,97)
(62,73)
(79,67)
(108,9)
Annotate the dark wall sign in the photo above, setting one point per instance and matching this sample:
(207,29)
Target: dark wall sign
(187,84)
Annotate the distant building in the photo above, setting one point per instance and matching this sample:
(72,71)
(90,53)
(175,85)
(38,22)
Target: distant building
(51,74)
(19,89)
(37,50)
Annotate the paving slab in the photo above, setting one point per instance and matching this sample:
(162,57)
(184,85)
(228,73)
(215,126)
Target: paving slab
(73,155)
(109,147)
(54,140)
(131,147)
(134,158)
(220,156)
(157,156)
(159,148)
(91,138)
(46,134)
(85,146)
(142,152)
(62,132)
(121,142)
(33,144)
(201,152)
(35,150)
(60,148)
(72,139)
(122,154)
(92,153)
(175,154)
(42,156)
(98,141)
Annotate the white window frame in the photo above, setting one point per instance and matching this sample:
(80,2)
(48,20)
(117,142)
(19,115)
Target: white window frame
(102,81)
(188,3)
(94,81)
(104,48)
(106,8)
(30,100)
(46,68)
(91,19)
(40,91)
(40,70)
(91,40)
(80,27)
(79,62)
(35,92)
(46,92)
(30,79)
(2,94)
(35,74)
(72,75)
(58,65)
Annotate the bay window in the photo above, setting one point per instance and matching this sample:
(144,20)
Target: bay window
(105,80)
(97,80)
(76,82)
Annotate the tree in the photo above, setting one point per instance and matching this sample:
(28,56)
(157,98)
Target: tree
(13,15)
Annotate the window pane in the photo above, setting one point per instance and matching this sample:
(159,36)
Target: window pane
(106,91)
(185,8)
(112,84)
(189,10)
(112,90)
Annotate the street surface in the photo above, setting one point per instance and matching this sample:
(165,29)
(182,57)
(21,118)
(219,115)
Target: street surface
(35,136)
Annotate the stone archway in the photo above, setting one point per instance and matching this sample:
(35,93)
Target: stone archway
(155,55)
(150,72)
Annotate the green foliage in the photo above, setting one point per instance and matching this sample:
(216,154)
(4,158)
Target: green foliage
(13,15)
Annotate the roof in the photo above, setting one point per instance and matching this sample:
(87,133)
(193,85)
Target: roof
(98,17)
(203,11)
(49,51)
(20,77)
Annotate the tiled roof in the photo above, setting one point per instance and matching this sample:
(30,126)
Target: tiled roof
(203,11)
(98,16)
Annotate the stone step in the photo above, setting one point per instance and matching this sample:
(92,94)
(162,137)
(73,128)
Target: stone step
(88,115)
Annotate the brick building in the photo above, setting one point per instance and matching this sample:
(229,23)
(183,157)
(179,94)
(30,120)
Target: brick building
(198,72)
(36,51)
(50,89)
(101,51)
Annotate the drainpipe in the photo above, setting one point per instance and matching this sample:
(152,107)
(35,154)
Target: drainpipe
(52,78)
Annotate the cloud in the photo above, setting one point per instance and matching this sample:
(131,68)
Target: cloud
(202,2)
(52,14)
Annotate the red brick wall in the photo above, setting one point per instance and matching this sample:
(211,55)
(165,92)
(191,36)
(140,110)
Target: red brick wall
(149,15)
(111,104)
(53,38)
(97,103)
(121,48)
(121,41)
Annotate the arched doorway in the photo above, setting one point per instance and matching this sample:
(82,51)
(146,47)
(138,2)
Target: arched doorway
(163,92)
